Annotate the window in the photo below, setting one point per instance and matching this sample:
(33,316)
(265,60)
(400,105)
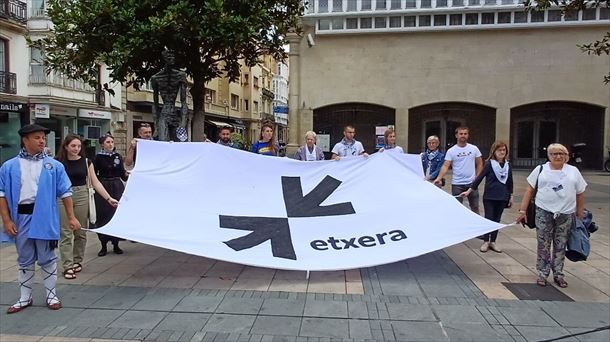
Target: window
(255,105)
(380,22)
(441,3)
(395,4)
(424,20)
(366,23)
(458,3)
(440,20)
(351,23)
(338,24)
(455,19)
(604,13)
(504,18)
(352,5)
(571,16)
(474,2)
(425,4)
(324,24)
(323,6)
(410,21)
(210,95)
(36,69)
(234,101)
(490,2)
(507,2)
(246,105)
(410,4)
(365,5)
(337,5)
(38,8)
(3,55)
(589,14)
(255,81)
(380,5)
(488,18)
(472,18)
(554,15)
(395,21)
(520,17)
(537,17)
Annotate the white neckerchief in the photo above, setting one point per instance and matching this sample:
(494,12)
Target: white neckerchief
(310,156)
(500,171)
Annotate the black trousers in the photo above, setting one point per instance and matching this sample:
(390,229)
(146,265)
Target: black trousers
(493,212)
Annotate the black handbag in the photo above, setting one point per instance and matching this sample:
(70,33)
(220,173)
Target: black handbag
(531,208)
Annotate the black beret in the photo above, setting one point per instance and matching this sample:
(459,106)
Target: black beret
(27,129)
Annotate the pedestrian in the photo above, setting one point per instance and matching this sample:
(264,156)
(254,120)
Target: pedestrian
(224,137)
(30,185)
(348,146)
(145,132)
(432,160)
(266,144)
(309,151)
(80,171)
(498,194)
(560,198)
(110,171)
(466,161)
(389,142)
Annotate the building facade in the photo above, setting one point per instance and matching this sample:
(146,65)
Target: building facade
(429,66)
(280,100)
(29,94)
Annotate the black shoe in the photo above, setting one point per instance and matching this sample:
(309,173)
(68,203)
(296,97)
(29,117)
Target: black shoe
(102,252)
(117,250)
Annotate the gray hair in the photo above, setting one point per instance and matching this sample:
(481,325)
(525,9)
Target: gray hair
(310,134)
(433,137)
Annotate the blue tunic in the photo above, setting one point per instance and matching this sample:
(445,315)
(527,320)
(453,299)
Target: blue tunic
(52,184)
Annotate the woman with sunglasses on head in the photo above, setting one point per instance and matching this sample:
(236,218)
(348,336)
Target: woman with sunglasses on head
(81,172)
(559,199)
(111,172)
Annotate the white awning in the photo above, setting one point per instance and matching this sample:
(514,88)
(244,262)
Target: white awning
(219,123)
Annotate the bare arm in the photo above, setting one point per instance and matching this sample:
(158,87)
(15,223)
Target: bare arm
(525,202)
(9,225)
(580,205)
(130,152)
(479,165)
(335,157)
(69,206)
(442,172)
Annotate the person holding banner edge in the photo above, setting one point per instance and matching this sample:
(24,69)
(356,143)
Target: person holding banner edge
(30,185)
(389,142)
(498,194)
(309,151)
(559,199)
(348,146)
(467,164)
(72,243)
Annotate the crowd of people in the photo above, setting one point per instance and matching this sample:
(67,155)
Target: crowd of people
(44,201)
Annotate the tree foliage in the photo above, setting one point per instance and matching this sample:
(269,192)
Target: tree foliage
(208,37)
(599,47)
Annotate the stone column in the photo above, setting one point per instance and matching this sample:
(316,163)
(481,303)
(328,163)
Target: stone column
(294,93)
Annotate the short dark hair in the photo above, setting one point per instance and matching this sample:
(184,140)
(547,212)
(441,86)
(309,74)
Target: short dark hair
(462,128)
(225,127)
(348,126)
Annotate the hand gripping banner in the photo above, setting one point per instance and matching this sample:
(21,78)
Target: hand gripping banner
(209,200)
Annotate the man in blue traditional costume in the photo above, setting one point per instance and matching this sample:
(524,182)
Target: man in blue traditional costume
(30,185)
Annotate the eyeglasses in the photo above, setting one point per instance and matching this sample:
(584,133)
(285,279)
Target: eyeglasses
(558,154)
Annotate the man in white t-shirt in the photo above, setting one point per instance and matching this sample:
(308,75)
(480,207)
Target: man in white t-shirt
(467,163)
(348,146)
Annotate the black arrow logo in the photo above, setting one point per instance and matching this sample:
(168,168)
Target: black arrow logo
(277,230)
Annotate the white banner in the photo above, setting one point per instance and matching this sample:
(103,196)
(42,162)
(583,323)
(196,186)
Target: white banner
(222,203)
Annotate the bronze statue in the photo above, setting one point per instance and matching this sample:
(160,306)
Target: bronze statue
(168,82)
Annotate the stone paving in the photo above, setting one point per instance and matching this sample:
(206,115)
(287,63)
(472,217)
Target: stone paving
(153,294)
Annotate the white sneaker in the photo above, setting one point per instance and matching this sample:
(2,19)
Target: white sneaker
(493,247)
(485,247)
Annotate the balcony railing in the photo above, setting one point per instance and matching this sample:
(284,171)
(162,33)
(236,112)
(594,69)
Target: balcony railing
(14,9)
(8,82)
(60,81)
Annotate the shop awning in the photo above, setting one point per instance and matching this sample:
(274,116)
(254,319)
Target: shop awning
(219,123)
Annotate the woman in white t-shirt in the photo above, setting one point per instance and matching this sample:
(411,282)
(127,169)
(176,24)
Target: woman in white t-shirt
(389,142)
(560,198)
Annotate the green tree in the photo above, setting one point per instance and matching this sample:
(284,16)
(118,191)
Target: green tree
(208,37)
(599,47)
